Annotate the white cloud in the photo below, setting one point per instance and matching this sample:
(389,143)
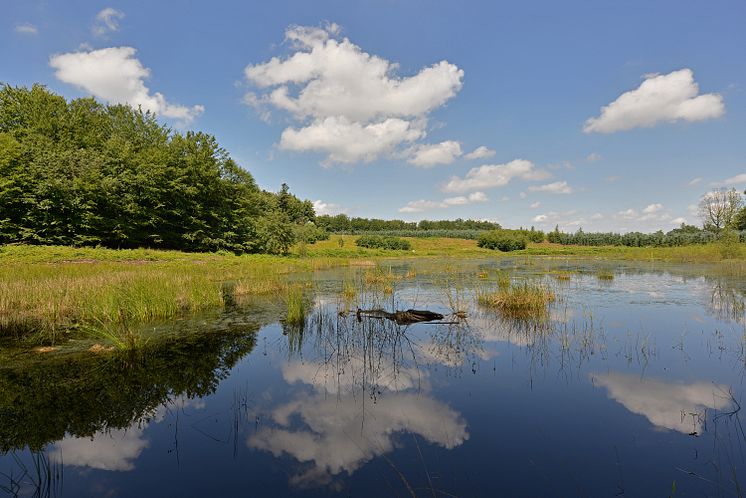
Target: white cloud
(470,199)
(425,205)
(695,181)
(26,29)
(322,208)
(329,85)
(628,214)
(673,406)
(660,98)
(535,205)
(540,218)
(652,208)
(117,76)
(494,175)
(734,180)
(678,221)
(107,21)
(597,216)
(346,141)
(553,188)
(420,205)
(480,152)
(593,157)
(426,155)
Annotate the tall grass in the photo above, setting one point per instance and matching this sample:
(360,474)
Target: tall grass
(296,306)
(526,300)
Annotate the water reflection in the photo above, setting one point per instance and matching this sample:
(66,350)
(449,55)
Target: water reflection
(363,389)
(83,394)
(675,406)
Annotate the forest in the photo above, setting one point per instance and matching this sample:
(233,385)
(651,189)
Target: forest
(82,173)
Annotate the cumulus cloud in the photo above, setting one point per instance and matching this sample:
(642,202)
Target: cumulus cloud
(349,104)
(26,29)
(593,157)
(660,98)
(535,205)
(552,188)
(118,77)
(652,208)
(327,208)
(733,180)
(461,200)
(426,155)
(107,21)
(494,175)
(678,407)
(480,152)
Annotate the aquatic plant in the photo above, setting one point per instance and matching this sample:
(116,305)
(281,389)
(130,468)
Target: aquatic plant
(296,307)
(526,300)
(605,274)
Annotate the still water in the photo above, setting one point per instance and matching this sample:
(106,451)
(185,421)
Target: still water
(632,388)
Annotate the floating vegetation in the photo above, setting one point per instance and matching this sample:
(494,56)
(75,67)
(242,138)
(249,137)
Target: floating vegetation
(520,301)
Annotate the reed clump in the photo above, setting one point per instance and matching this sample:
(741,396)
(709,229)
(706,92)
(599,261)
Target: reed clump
(606,275)
(296,306)
(526,300)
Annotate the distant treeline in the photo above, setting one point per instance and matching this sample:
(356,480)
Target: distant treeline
(83,173)
(342,223)
(682,236)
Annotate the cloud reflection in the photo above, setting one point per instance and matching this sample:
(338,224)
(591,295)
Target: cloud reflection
(674,406)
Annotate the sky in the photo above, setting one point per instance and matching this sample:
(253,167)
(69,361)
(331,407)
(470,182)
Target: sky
(605,115)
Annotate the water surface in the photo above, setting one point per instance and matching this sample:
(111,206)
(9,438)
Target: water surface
(633,388)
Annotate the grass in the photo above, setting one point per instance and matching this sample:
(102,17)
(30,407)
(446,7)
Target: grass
(526,300)
(48,293)
(605,275)
(296,313)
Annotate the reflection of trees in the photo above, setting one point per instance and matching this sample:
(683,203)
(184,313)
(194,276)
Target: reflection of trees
(78,395)
(363,388)
(727,302)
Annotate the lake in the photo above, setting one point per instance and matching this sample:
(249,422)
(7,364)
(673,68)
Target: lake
(632,386)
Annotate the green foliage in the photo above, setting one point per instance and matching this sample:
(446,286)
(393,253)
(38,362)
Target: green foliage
(341,223)
(682,236)
(310,233)
(381,242)
(81,173)
(502,240)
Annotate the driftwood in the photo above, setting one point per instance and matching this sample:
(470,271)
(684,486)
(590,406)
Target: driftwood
(400,317)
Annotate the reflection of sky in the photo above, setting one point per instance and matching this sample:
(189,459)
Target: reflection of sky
(338,435)
(116,449)
(341,433)
(679,407)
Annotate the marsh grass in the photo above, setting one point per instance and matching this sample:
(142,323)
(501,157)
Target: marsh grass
(606,275)
(503,280)
(563,276)
(527,300)
(296,306)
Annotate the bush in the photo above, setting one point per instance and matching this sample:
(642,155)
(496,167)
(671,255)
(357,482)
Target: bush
(501,241)
(310,233)
(379,242)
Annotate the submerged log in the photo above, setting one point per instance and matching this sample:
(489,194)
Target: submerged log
(400,317)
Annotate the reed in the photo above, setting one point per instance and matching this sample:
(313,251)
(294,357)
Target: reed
(520,301)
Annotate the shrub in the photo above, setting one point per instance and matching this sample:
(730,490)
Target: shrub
(501,241)
(380,242)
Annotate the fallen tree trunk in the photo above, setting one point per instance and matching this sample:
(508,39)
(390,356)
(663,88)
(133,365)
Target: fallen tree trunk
(400,317)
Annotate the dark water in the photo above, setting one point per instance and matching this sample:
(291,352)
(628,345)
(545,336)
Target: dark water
(632,389)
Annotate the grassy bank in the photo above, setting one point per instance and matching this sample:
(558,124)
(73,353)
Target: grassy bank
(48,293)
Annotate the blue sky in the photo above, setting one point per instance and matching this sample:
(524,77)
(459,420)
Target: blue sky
(372,108)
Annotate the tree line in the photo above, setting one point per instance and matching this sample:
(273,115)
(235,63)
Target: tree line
(342,223)
(86,174)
